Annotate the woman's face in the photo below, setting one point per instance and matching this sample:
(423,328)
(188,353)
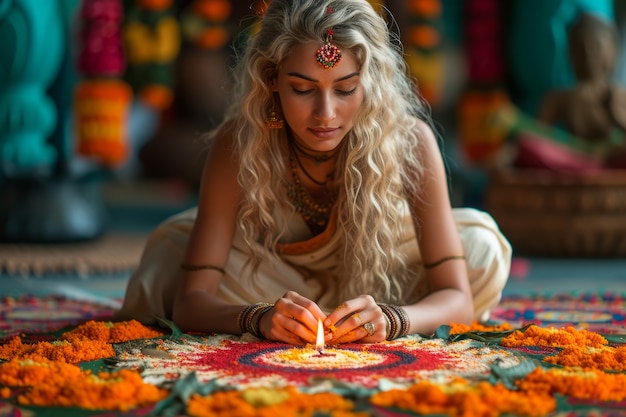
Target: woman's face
(319,104)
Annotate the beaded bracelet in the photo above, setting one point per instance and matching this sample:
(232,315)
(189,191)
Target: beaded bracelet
(391,319)
(250,317)
(398,320)
(405,323)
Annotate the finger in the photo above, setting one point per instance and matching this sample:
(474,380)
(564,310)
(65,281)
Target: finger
(286,329)
(369,332)
(354,335)
(302,309)
(371,319)
(293,325)
(348,325)
(282,335)
(290,324)
(349,307)
(351,315)
(308,304)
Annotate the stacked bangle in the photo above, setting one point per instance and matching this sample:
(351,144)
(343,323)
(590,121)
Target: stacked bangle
(398,320)
(250,317)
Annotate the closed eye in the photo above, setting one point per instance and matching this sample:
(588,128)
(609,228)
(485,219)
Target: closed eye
(347,93)
(301,92)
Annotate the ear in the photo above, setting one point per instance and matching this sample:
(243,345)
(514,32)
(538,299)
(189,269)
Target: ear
(273,84)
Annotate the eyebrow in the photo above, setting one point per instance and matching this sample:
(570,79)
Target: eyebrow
(304,77)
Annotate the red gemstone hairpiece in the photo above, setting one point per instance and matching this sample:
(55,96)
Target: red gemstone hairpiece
(328,55)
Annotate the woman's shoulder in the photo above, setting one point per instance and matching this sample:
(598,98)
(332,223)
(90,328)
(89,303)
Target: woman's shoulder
(423,129)
(222,140)
(424,134)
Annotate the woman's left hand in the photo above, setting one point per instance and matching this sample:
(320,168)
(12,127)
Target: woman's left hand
(357,320)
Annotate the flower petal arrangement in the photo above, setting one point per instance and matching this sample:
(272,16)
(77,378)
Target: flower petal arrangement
(462,370)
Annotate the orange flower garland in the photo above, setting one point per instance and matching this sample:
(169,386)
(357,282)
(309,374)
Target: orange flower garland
(101,107)
(261,402)
(28,372)
(461,398)
(606,357)
(539,336)
(47,370)
(458,328)
(215,10)
(121,391)
(205,23)
(54,383)
(426,8)
(590,384)
(111,332)
(89,341)
(61,351)
(424,37)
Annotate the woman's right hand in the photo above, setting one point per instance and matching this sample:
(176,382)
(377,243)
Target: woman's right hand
(293,320)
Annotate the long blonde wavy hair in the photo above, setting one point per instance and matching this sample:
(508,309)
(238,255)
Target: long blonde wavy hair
(378,165)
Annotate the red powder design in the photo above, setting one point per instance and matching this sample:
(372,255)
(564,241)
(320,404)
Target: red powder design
(239,363)
(247,359)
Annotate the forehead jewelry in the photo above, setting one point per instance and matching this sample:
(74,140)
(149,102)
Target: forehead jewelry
(328,55)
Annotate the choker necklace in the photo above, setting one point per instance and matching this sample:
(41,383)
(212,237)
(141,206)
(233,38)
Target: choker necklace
(318,158)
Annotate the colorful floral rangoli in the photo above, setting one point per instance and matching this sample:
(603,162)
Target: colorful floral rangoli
(246,363)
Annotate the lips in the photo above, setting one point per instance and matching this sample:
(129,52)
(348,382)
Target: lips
(324,132)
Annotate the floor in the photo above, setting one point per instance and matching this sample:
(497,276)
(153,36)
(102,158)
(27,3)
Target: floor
(141,208)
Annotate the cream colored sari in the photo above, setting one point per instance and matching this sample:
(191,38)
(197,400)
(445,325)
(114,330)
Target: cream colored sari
(312,266)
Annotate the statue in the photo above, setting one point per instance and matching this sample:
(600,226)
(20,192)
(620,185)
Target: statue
(591,114)
(39,199)
(595,108)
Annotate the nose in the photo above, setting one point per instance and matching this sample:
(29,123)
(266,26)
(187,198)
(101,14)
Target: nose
(324,107)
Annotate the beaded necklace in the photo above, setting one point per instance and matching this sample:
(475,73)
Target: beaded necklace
(315,214)
(294,154)
(317,158)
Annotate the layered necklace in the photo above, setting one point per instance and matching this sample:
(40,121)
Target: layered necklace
(318,158)
(316,214)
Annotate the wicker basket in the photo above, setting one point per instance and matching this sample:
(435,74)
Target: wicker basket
(560,215)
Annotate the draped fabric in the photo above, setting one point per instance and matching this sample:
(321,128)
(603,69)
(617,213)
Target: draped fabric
(311,266)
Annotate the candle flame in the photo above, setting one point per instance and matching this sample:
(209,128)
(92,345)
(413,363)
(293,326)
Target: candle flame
(319,342)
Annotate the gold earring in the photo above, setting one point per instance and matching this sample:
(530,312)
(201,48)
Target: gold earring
(273,120)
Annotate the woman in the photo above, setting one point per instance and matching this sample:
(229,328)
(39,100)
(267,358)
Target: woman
(324,197)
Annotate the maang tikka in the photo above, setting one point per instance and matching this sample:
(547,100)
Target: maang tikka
(328,55)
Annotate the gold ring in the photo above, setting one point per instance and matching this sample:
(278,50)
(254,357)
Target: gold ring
(369,328)
(357,317)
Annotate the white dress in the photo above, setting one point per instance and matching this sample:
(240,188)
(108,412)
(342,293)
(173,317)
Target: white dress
(311,266)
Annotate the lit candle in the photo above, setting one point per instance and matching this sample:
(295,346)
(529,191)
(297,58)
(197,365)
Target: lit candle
(319,341)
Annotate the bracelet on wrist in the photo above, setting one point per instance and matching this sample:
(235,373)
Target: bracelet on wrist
(249,318)
(397,319)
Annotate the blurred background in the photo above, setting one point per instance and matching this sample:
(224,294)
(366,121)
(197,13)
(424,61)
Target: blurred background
(104,103)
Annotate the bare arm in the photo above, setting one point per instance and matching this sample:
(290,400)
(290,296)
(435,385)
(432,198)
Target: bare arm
(196,307)
(449,298)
